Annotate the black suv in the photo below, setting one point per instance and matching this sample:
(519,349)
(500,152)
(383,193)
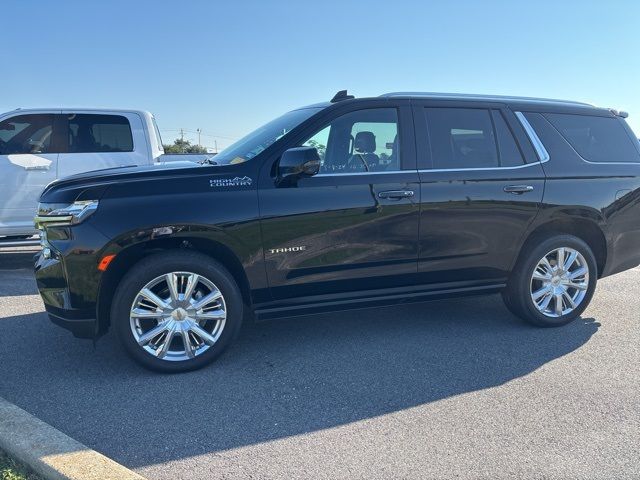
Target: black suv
(347,204)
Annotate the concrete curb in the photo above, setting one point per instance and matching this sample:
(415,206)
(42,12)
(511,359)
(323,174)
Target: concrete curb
(50,453)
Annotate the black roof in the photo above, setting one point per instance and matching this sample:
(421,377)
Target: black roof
(516,103)
(486,98)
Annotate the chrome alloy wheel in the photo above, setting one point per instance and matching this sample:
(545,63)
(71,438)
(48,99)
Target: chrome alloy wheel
(559,282)
(178,316)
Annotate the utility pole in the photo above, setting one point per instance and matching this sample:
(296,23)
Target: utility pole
(182,139)
(215,143)
(199,132)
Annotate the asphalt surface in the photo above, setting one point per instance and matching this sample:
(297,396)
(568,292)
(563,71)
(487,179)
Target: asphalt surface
(447,389)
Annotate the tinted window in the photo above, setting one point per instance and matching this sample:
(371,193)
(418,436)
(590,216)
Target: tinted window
(597,139)
(26,134)
(471,138)
(361,141)
(508,151)
(99,133)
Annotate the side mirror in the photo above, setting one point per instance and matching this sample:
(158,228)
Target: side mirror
(298,162)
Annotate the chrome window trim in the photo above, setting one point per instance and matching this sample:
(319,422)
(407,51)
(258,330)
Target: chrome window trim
(524,165)
(605,163)
(362,173)
(542,153)
(427,170)
(538,146)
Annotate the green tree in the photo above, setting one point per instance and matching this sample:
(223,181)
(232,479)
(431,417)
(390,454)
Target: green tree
(183,146)
(322,149)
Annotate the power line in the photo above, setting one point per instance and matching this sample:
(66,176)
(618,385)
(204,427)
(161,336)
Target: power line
(196,131)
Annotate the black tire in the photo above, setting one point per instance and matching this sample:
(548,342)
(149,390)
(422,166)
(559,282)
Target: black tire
(517,294)
(175,261)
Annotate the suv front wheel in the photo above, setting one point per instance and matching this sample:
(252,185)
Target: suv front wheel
(553,281)
(176,311)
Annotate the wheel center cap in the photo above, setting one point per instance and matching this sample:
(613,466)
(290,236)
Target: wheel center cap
(179,314)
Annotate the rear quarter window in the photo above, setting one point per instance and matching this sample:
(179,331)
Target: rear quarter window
(596,139)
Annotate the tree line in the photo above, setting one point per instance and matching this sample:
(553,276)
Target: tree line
(180,145)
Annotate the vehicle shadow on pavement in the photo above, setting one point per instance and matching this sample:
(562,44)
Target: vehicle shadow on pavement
(280,378)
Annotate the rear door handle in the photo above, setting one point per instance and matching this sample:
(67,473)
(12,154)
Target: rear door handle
(396,194)
(518,189)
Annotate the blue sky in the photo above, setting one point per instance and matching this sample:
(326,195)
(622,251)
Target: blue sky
(227,67)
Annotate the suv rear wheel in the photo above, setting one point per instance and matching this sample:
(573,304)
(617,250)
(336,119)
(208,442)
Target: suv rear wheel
(553,281)
(176,311)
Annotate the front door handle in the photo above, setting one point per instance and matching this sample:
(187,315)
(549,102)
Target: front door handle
(396,194)
(518,189)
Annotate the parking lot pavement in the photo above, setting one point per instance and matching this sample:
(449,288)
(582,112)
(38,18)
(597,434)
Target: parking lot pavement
(444,389)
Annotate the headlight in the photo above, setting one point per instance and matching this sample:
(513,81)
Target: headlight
(61,214)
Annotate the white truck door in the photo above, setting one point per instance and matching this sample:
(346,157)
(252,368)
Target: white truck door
(28,161)
(102,140)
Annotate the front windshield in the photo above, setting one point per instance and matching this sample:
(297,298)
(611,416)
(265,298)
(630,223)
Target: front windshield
(258,140)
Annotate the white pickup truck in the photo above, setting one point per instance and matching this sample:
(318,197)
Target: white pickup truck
(38,146)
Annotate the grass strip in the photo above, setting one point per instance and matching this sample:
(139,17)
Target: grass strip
(11,470)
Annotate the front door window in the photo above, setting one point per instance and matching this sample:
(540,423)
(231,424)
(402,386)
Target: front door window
(359,142)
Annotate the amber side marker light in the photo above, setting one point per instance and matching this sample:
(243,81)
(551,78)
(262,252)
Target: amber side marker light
(104,263)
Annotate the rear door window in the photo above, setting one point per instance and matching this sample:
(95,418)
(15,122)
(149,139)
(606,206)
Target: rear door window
(470,138)
(99,133)
(26,134)
(508,150)
(596,139)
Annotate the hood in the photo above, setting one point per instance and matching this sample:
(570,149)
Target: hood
(94,183)
(127,170)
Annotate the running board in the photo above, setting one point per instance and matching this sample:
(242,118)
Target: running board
(265,311)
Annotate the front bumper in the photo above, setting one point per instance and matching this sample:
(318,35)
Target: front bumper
(59,300)
(81,328)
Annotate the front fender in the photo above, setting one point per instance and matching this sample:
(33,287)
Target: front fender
(244,259)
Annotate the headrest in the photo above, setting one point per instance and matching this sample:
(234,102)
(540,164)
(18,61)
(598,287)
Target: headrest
(365,142)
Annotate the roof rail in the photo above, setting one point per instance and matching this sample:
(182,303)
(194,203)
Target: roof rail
(463,96)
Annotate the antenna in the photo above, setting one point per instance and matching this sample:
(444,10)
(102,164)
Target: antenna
(340,96)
